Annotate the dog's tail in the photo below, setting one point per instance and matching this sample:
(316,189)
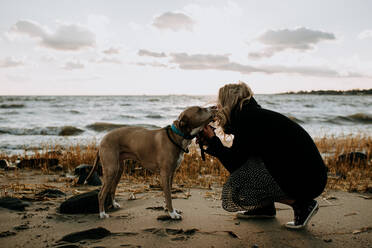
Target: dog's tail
(94,167)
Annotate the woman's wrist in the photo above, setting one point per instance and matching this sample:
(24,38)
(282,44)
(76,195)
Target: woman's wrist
(214,146)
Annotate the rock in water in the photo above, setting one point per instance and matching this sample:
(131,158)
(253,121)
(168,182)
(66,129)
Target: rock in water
(94,233)
(69,131)
(13,203)
(85,203)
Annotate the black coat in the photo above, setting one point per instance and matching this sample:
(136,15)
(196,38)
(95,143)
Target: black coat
(287,150)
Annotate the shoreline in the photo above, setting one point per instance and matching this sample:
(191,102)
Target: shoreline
(352,92)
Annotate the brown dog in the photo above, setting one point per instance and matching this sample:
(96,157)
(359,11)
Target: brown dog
(158,150)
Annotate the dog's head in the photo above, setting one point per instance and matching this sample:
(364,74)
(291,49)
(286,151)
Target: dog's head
(193,119)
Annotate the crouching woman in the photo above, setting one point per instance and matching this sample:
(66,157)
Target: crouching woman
(272,159)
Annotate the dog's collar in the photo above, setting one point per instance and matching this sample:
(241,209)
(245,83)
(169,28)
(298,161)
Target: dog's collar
(178,132)
(174,142)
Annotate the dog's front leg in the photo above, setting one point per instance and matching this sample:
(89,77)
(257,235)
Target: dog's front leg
(166,179)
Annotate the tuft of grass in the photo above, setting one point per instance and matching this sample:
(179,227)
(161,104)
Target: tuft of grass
(194,172)
(349,176)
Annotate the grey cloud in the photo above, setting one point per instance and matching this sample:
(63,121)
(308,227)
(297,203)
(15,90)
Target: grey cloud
(223,63)
(111,50)
(174,21)
(65,37)
(10,62)
(301,39)
(73,65)
(199,61)
(143,52)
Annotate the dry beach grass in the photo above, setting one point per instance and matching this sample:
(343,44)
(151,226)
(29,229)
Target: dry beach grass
(194,172)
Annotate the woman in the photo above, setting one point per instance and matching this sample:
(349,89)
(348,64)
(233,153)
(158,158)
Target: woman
(272,159)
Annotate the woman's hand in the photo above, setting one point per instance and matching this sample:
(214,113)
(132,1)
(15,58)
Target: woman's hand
(205,135)
(208,132)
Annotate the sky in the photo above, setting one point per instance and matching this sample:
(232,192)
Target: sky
(118,47)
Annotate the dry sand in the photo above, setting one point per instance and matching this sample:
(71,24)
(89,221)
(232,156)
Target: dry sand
(344,220)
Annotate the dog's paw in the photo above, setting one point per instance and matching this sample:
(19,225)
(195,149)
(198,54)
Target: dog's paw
(115,204)
(175,214)
(178,211)
(103,215)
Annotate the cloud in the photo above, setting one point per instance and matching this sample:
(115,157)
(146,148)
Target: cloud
(154,64)
(143,52)
(223,63)
(301,39)
(109,60)
(65,37)
(199,61)
(10,62)
(173,21)
(365,34)
(111,50)
(73,65)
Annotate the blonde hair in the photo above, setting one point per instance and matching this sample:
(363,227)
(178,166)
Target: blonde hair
(230,96)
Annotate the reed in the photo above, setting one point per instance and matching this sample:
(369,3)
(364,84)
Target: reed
(194,172)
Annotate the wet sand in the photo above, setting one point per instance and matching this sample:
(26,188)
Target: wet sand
(344,220)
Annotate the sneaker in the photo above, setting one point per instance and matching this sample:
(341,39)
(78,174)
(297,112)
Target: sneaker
(264,213)
(303,213)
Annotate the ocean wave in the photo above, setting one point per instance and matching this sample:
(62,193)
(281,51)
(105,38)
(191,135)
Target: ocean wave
(309,105)
(11,106)
(125,104)
(74,112)
(154,116)
(127,116)
(53,131)
(10,113)
(358,118)
(106,126)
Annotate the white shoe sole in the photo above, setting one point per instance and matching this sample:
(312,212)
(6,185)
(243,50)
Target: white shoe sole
(291,224)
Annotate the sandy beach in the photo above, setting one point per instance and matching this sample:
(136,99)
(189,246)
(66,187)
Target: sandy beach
(344,219)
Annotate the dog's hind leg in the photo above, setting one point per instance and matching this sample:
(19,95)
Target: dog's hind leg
(110,166)
(101,200)
(115,184)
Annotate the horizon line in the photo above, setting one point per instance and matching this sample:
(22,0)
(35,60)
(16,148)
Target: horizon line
(173,94)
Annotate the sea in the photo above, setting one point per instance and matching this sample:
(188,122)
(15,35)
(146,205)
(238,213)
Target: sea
(29,123)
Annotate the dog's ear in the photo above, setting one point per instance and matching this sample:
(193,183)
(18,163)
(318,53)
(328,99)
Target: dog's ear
(179,124)
(182,123)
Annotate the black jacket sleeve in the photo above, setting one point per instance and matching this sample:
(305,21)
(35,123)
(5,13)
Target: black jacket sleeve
(231,157)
